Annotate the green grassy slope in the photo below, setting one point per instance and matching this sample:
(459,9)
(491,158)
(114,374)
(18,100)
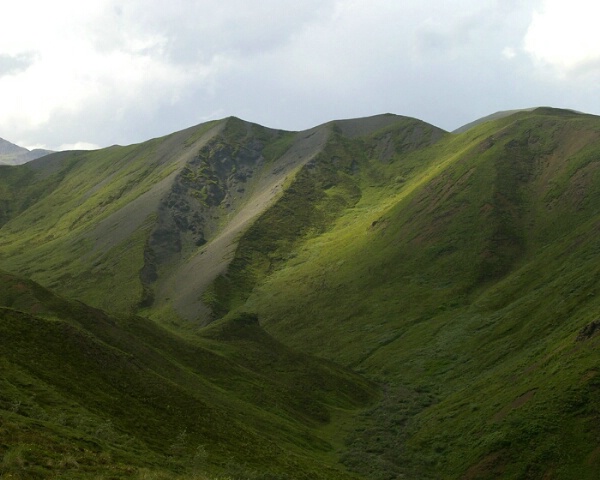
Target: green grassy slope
(86,394)
(321,192)
(459,275)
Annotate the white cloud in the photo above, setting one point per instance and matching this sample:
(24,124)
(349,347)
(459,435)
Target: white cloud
(78,146)
(565,35)
(85,58)
(509,53)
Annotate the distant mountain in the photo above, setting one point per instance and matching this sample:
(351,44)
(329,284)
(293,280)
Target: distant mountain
(379,299)
(11,154)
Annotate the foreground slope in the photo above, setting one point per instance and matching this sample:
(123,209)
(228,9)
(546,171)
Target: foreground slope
(84,393)
(465,277)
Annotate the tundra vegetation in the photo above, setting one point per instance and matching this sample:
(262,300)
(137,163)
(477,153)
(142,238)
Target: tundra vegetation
(369,299)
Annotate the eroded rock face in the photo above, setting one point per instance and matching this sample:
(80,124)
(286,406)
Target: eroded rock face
(206,189)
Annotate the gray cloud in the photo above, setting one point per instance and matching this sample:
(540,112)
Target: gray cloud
(199,30)
(129,71)
(10,64)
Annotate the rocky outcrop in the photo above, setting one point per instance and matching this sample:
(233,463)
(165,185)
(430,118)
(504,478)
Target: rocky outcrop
(588,331)
(209,187)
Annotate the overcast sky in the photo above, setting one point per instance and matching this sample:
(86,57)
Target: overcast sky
(102,72)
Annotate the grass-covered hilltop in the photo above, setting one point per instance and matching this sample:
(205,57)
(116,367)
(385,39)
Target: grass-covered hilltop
(370,299)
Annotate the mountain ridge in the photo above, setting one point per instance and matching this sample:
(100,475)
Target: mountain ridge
(193,195)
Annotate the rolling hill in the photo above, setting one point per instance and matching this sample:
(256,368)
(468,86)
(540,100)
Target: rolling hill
(375,297)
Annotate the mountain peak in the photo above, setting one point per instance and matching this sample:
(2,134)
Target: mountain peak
(358,127)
